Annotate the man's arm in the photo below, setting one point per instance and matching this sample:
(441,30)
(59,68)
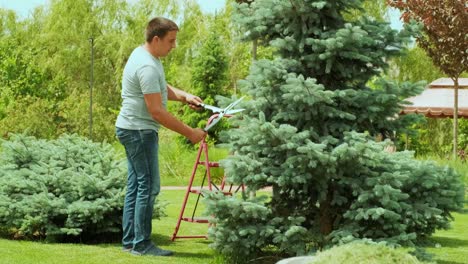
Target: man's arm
(155,107)
(175,94)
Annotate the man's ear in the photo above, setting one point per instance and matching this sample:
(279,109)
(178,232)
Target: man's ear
(155,39)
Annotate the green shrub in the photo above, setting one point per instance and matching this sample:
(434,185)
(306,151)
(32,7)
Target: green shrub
(68,187)
(35,115)
(401,200)
(362,253)
(460,166)
(74,116)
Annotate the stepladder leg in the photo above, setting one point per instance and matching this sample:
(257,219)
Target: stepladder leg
(189,189)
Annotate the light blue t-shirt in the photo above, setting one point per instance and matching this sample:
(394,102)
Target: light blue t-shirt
(143,74)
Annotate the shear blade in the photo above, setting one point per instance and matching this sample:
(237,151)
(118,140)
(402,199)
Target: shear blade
(214,109)
(234,111)
(233,104)
(213,122)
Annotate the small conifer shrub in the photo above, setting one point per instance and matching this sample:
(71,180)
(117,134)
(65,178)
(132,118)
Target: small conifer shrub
(68,187)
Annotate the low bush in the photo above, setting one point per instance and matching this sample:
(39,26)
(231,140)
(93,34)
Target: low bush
(363,253)
(63,188)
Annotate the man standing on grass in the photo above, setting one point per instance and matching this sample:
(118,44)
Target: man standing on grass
(145,94)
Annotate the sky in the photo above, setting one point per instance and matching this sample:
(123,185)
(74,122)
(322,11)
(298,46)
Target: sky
(25,7)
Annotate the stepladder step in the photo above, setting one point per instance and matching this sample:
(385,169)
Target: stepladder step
(200,191)
(196,219)
(210,164)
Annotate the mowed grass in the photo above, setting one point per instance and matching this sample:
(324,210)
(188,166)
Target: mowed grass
(187,251)
(452,245)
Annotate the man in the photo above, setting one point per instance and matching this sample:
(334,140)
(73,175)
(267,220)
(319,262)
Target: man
(145,94)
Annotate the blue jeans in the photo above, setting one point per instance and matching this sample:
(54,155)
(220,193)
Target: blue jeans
(143,185)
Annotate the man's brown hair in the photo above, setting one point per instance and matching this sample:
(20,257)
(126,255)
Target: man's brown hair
(159,26)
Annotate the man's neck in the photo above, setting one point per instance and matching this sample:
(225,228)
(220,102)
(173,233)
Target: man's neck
(147,47)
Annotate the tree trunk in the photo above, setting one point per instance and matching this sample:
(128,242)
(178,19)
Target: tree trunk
(253,194)
(254,50)
(326,219)
(455,118)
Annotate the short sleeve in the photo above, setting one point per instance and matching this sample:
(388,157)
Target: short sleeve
(149,79)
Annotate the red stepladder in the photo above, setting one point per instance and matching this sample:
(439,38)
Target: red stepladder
(210,186)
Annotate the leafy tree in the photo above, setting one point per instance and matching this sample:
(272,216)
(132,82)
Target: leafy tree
(8,22)
(192,32)
(239,53)
(56,56)
(375,8)
(309,133)
(415,66)
(444,39)
(116,27)
(20,75)
(432,138)
(242,58)
(29,93)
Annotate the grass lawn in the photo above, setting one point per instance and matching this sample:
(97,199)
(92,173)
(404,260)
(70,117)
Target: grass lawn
(451,247)
(452,244)
(187,251)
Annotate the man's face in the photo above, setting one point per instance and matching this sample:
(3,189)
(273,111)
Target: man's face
(166,44)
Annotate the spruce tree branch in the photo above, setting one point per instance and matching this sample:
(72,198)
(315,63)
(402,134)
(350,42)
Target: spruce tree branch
(303,20)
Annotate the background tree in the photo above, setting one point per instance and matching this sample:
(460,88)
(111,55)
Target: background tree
(375,8)
(445,26)
(308,131)
(193,30)
(24,83)
(415,66)
(57,57)
(58,50)
(209,78)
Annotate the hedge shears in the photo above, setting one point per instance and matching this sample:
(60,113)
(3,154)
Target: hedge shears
(221,112)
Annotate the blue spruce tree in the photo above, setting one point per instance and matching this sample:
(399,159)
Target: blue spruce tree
(309,132)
